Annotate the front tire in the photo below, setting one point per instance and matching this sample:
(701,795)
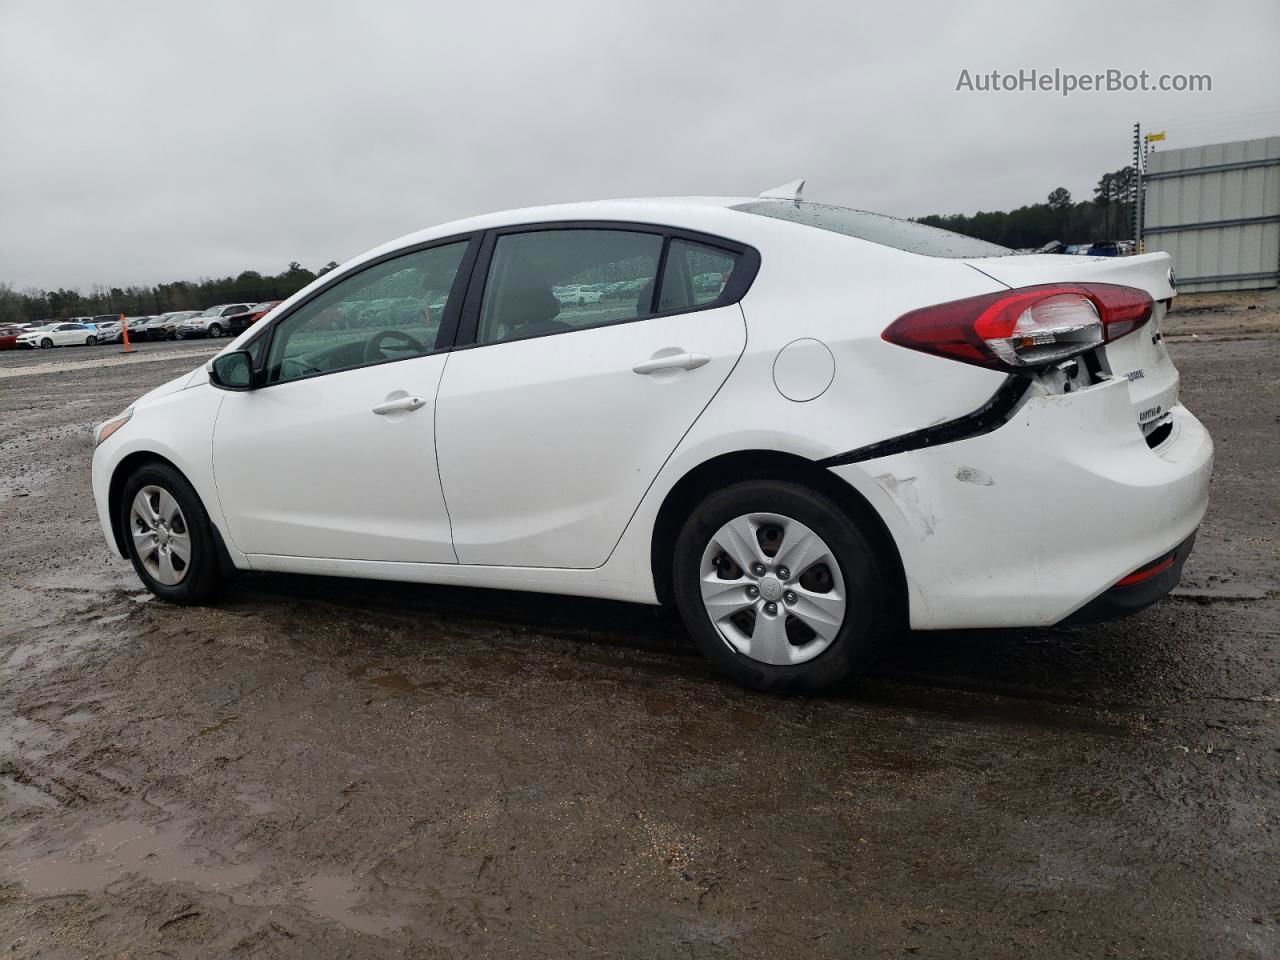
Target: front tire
(46,343)
(779,587)
(215,331)
(169,536)
(91,341)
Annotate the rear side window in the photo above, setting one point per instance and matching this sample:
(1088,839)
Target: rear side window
(554,281)
(695,274)
(887,231)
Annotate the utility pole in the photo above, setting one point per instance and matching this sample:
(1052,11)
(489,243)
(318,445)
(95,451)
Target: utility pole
(1137,187)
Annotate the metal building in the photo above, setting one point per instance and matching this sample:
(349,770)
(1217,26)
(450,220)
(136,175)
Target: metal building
(1216,210)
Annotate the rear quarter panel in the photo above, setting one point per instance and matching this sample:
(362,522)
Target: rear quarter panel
(842,292)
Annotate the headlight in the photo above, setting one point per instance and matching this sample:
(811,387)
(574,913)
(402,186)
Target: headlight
(109,427)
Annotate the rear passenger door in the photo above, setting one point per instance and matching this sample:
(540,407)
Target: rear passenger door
(556,411)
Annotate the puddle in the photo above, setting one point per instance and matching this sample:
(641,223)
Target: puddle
(125,848)
(256,796)
(664,706)
(335,897)
(24,794)
(391,681)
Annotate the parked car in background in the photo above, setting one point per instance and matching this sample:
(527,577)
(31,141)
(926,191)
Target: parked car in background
(59,335)
(238,323)
(108,328)
(9,334)
(135,325)
(213,322)
(579,294)
(165,326)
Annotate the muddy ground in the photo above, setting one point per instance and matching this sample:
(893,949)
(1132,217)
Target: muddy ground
(322,768)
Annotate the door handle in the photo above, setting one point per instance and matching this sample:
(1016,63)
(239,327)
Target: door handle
(401,403)
(677,361)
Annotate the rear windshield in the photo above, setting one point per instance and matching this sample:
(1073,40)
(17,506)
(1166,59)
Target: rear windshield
(888,231)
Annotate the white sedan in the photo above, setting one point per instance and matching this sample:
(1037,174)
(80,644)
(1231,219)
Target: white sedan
(578,295)
(59,335)
(864,423)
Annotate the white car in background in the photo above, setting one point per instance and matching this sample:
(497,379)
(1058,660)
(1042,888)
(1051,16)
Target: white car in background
(870,422)
(108,330)
(63,334)
(578,294)
(211,322)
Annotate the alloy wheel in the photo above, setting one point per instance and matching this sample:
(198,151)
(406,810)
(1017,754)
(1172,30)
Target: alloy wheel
(160,535)
(773,589)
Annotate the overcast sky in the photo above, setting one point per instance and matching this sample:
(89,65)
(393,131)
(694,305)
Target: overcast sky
(153,141)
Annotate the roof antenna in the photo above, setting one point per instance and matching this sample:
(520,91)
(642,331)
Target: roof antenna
(788,191)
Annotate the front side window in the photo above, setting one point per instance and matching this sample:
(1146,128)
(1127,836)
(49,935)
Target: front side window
(551,281)
(391,311)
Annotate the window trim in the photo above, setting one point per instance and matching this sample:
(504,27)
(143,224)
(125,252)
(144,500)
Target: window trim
(739,284)
(448,323)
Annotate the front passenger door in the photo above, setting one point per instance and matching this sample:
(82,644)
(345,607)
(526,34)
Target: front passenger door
(333,455)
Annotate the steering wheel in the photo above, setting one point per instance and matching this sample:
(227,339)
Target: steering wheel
(373,349)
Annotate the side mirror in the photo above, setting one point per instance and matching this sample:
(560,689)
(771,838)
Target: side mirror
(232,371)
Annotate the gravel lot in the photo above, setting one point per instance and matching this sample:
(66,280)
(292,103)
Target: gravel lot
(329,768)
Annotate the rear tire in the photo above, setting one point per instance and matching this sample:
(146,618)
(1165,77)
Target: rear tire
(849,604)
(152,523)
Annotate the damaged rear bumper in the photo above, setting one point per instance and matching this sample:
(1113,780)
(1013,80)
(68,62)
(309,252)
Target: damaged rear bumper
(1125,599)
(1031,523)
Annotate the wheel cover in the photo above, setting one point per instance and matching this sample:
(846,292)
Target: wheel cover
(773,589)
(160,535)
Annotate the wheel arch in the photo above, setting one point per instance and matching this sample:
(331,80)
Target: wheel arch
(727,468)
(115,493)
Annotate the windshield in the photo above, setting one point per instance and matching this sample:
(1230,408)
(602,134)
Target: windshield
(887,231)
(212,312)
(261,306)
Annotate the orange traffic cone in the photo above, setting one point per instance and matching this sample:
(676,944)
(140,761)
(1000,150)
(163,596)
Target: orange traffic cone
(124,333)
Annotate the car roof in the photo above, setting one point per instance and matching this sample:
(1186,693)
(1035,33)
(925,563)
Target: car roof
(693,213)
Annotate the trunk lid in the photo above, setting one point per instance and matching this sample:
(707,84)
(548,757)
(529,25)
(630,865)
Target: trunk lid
(1140,356)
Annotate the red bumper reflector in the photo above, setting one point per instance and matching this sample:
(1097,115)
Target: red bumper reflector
(1147,572)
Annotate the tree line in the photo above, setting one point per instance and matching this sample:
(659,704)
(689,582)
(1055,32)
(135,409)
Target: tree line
(249,286)
(1108,216)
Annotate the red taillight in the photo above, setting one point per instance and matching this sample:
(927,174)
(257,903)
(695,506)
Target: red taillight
(1024,328)
(1147,572)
